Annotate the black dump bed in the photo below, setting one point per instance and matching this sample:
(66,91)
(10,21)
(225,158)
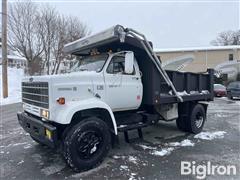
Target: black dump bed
(190,86)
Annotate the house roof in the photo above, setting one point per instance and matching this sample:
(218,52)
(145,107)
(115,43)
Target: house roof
(207,48)
(14,57)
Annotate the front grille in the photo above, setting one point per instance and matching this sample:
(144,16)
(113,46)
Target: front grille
(35,93)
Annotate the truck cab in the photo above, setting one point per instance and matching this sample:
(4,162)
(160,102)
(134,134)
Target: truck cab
(118,78)
(116,85)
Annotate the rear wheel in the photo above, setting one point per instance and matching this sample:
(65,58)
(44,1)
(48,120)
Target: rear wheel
(86,144)
(192,121)
(229,96)
(181,124)
(197,119)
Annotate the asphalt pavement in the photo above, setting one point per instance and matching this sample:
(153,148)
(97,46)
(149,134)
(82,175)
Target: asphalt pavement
(158,156)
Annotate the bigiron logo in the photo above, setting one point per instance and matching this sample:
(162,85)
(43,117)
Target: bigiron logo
(205,169)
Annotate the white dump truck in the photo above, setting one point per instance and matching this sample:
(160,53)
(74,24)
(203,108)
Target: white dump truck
(117,85)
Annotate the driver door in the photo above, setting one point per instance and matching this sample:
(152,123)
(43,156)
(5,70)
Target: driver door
(122,90)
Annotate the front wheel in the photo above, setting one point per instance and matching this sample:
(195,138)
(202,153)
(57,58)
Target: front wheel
(86,144)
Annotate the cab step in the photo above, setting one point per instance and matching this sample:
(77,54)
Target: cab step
(136,121)
(126,128)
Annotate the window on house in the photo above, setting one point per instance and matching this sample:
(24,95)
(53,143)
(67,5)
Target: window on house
(230,57)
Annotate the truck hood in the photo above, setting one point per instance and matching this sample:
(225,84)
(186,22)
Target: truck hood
(75,86)
(61,78)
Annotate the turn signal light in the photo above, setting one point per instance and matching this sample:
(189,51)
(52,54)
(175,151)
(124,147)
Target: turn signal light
(61,100)
(45,113)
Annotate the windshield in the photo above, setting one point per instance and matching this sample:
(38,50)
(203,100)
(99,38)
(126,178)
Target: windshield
(219,87)
(90,63)
(234,85)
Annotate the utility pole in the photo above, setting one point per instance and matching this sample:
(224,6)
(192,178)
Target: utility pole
(4,50)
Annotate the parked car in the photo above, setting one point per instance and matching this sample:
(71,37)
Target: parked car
(233,90)
(219,90)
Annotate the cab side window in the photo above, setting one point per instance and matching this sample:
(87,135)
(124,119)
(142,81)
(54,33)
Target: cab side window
(117,65)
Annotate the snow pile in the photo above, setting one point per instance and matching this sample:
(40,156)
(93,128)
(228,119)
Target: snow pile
(132,176)
(155,151)
(124,167)
(210,135)
(133,159)
(117,157)
(183,143)
(184,93)
(162,152)
(128,172)
(22,161)
(205,92)
(146,147)
(14,86)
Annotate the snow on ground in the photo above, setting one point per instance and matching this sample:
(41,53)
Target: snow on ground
(146,147)
(183,143)
(170,147)
(167,150)
(20,162)
(210,135)
(124,167)
(14,86)
(162,152)
(238,102)
(133,159)
(157,151)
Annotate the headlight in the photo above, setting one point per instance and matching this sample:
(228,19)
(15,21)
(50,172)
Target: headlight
(45,113)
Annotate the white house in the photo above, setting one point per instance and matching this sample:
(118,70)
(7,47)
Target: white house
(13,60)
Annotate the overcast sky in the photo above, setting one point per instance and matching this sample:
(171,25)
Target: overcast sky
(167,25)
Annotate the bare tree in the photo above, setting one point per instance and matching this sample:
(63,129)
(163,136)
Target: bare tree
(59,42)
(39,33)
(69,29)
(227,38)
(23,33)
(47,23)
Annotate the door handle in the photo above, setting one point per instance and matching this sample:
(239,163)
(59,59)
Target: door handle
(136,78)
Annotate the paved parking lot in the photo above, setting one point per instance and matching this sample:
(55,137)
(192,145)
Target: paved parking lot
(158,156)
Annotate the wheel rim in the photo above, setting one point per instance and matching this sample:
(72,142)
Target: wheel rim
(88,144)
(199,120)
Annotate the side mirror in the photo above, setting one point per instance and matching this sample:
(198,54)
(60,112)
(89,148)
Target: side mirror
(129,61)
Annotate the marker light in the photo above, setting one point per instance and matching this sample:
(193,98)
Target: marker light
(48,134)
(61,100)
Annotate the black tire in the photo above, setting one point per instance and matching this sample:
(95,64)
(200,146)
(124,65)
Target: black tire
(87,144)
(194,121)
(181,123)
(230,97)
(197,119)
